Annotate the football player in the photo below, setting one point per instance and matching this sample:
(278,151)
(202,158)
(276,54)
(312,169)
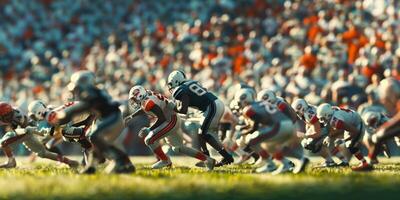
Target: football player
(73,131)
(107,127)
(279,102)
(267,124)
(315,133)
(190,93)
(389,94)
(167,125)
(351,123)
(12,118)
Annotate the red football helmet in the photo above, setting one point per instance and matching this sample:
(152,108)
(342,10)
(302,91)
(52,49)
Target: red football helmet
(6,111)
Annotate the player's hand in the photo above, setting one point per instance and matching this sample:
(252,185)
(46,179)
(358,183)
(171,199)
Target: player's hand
(144,131)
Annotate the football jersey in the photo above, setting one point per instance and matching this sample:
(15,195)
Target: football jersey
(264,113)
(284,107)
(75,119)
(100,101)
(343,116)
(199,97)
(161,101)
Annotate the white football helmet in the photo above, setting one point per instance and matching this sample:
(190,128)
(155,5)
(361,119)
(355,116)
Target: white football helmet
(81,80)
(266,95)
(175,79)
(300,106)
(137,94)
(371,119)
(244,97)
(324,113)
(37,110)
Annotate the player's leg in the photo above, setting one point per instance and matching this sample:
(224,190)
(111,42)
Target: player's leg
(208,131)
(101,135)
(153,141)
(379,138)
(8,141)
(34,145)
(353,144)
(176,141)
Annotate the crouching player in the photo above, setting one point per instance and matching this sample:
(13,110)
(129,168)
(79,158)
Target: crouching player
(315,133)
(389,94)
(267,124)
(107,127)
(12,118)
(191,94)
(352,125)
(166,126)
(74,131)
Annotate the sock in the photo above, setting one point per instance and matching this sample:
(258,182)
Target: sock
(160,153)
(360,157)
(203,146)
(264,154)
(255,156)
(201,156)
(278,156)
(224,153)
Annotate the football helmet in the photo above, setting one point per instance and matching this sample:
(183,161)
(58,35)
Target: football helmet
(81,80)
(244,97)
(300,106)
(324,113)
(6,111)
(371,119)
(37,110)
(137,94)
(266,95)
(175,79)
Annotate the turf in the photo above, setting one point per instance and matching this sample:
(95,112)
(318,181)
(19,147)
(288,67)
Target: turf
(47,180)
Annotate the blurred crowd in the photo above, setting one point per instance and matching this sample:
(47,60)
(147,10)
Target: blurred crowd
(324,50)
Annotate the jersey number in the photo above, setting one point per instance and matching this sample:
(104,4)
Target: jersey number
(199,91)
(269,108)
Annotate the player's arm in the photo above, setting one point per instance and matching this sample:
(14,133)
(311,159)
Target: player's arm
(184,104)
(156,110)
(137,113)
(340,124)
(65,116)
(316,126)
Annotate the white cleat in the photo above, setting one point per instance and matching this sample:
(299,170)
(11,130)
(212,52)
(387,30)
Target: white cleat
(282,169)
(244,158)
(210,163)
(260,162)
(268,167)
(161,164)
(301,166)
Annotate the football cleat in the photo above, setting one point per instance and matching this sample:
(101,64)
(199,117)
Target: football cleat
(161,164)
(10,164)
(362,167)
(210,164)
(268,167)
(88,170)
(225,161)
(327,164)
(343,164)
(245,157)
(302,166)
(260,162)
(282,169)
(73,164)
(200,164)
(116,167)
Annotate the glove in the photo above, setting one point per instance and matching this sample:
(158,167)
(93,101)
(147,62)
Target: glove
(144,131)
(327,141)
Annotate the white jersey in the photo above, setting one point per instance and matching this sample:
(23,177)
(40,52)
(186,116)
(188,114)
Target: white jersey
(343,116)
(161,101)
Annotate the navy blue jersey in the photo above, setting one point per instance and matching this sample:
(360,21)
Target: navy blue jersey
(100,101)
(199,97)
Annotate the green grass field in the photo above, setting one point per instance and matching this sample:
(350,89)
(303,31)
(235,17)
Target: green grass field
(46,180)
